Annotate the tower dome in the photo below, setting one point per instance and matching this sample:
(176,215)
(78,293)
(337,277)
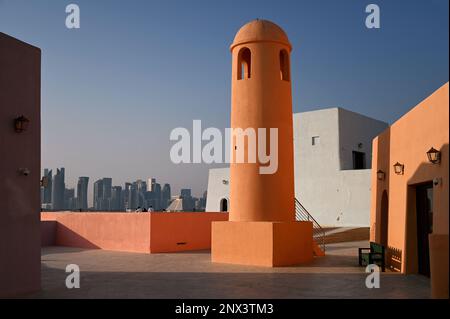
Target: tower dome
(261,31)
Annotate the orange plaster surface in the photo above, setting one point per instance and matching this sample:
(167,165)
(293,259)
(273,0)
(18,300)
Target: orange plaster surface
(262,229)
(406,142)
(134,232)
(262,101)
(262,243)
(171,232)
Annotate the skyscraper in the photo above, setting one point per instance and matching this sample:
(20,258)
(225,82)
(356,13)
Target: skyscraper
(69,199)
(58,188)
(133,201)
(188,201)
(82,191)
(98,194)
(185,192)
(165,196)
(107,188)
(126,195)
(116,202)
(47,190)
(157,196)
(202,202)
(150,184)
(141,188)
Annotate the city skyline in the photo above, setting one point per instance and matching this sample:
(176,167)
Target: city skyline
(104,195)
(113,90)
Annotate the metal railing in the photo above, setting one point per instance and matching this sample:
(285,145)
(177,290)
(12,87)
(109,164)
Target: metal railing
(302,214)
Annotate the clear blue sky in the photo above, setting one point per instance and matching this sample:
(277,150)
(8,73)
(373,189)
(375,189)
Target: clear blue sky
(113,90)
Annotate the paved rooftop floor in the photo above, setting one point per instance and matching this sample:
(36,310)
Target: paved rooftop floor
(108,274)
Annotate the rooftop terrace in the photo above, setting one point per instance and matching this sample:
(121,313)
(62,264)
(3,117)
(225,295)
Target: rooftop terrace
(112,274)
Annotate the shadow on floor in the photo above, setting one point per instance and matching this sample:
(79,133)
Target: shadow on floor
(227,285)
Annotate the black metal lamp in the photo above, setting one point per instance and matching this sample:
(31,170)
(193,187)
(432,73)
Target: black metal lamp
(434,156)
(399,168)
(21,124)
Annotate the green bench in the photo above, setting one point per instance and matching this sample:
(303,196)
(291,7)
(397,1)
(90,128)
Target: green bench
(373,255)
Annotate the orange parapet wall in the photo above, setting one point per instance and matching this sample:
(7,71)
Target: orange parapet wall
(135,232)
(172,232)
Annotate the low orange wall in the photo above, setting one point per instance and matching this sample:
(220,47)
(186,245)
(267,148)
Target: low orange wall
(110,231)
(134,232)
(172,232)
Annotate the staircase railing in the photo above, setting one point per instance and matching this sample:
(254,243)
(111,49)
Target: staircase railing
(302,214)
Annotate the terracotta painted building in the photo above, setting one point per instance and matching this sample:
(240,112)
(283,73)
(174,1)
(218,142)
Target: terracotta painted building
(409,209)
(20,149)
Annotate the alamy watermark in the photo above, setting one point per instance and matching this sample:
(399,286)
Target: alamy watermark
(373,19)
(373,280)
(245,145)
(73,279)
(73,18)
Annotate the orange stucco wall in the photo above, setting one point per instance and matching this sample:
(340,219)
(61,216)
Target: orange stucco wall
(407,141)
(20,89)
(110,231)
(172,232)
(266,244)
(143,232)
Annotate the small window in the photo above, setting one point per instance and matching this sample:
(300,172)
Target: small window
(284,65)
(244,64)
(224,205)
(315,140)
(359,160)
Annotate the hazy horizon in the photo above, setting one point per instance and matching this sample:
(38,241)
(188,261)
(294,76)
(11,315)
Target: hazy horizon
(113,90)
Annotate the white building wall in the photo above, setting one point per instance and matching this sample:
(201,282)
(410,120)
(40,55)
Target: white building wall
(316,181)
(217,189)
(356,133)
(325,183)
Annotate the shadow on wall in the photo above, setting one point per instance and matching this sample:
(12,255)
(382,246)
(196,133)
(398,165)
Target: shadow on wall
(56,234)
(48,233)
(67,237)
(394,259)
(355,234)
(383,163)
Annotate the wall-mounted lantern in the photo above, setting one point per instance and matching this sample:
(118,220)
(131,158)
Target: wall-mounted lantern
(399,168)
(24,171)
(381,175)
(434,156)
(21,124)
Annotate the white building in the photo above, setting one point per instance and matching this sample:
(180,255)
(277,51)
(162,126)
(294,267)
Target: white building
(332,153)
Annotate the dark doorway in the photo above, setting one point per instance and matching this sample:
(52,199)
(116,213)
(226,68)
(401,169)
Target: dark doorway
(223,205)
(384,219)
(359,160)
(424,209)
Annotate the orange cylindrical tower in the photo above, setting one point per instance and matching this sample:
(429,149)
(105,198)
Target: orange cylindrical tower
(262,229)
(262,98)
